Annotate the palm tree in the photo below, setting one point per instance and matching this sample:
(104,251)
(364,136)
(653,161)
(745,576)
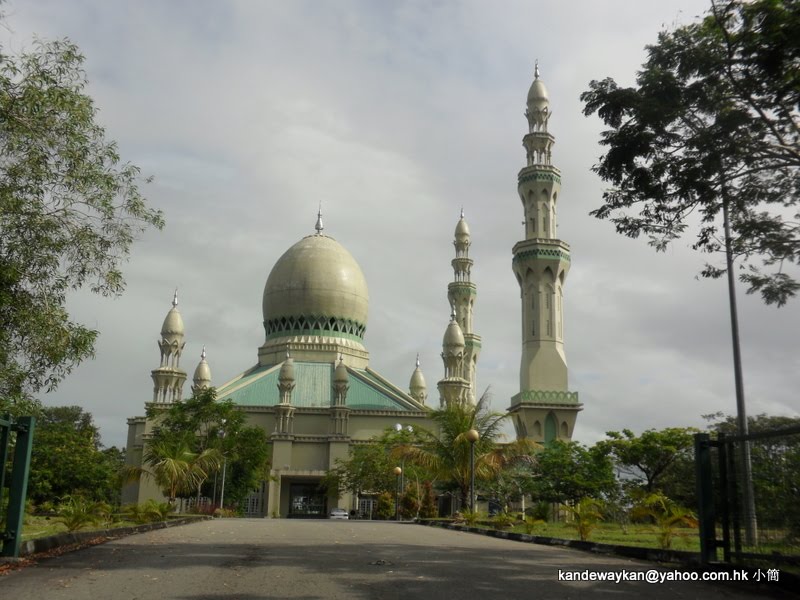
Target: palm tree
(446,453)
(175,467)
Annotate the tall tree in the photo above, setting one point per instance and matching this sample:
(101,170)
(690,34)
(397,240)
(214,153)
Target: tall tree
(68,459)
(207,425)
(648,458)
(70,209)
(712,125)
(568,472)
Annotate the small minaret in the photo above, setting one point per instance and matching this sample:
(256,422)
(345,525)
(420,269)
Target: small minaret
(341,383)
(202,374)
(339,411)
(453,388)
(461,293)
(284,411)
(417,388)
(544,409)
(168,378)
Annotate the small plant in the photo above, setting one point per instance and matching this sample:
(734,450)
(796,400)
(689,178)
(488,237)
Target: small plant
(149,512)
(531,523)
(586,515)
(667,516)
(503,520)
(470,517)
(224,513)
(76,512)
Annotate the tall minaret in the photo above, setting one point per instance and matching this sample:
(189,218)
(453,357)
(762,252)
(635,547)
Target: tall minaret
(461,293)
(168,378)
(544,409)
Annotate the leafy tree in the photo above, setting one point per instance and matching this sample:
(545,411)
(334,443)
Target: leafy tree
(367,469)
(568,472)
(713,123)
(69,212)
(511,483)
(67,458)
(207,424)
(647,459)
(248,458)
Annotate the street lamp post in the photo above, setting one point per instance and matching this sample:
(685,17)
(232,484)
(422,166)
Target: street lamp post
(224,467)
(398,473)
(472,437)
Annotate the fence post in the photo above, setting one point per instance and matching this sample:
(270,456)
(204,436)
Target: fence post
(5,431)
(19,485)
(705,498)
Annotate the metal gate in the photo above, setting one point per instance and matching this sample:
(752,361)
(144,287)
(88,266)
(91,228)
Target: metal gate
(775,526)
(18,482)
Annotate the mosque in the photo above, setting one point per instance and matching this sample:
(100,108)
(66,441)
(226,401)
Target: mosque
(313,390)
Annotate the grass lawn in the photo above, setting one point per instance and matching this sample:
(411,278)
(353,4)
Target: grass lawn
(643,536)
(37,526)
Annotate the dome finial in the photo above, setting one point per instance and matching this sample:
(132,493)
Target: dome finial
(452,313)
(203,353)
(175,299)
(462,212)
(319,227)
(418,360)
(536,70)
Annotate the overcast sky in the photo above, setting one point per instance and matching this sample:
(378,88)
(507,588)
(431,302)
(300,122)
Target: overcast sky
(394,115)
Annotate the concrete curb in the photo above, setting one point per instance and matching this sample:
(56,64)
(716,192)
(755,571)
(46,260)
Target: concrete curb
(37,545)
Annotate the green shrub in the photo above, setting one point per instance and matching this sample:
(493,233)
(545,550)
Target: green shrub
(76,512)
(385,508)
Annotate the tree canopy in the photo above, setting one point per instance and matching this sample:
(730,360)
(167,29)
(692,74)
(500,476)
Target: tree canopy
(70,208)
(195,438)
(647,458)
(68,459)
(713,121)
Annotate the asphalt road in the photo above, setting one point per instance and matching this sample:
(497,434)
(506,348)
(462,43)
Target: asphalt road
(245,559)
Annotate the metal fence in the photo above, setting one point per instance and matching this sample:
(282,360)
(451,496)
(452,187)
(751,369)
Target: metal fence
(729,531)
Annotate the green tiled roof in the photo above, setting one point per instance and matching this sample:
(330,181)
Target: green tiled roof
(313,388)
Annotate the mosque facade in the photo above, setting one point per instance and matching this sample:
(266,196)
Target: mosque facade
(313,391)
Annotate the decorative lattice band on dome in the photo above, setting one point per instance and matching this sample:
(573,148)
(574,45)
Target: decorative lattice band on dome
(330,326)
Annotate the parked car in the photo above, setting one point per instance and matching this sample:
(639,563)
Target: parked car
(338,513)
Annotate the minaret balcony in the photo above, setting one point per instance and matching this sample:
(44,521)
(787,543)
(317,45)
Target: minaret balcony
(539,172)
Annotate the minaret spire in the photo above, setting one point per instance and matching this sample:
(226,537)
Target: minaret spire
(319,227)
(544,409)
